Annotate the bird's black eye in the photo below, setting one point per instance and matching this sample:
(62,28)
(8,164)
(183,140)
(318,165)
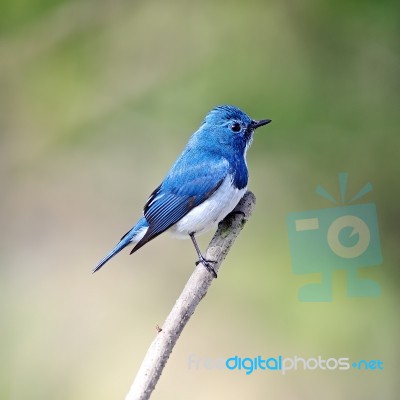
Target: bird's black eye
(236,127)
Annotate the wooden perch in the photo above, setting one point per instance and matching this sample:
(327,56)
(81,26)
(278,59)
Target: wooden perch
(195,289)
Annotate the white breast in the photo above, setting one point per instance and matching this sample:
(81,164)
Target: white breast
(208,214)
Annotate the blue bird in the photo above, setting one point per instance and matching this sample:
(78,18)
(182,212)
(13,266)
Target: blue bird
(203,186)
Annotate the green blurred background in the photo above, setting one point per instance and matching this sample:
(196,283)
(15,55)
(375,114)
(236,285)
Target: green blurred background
(97,99)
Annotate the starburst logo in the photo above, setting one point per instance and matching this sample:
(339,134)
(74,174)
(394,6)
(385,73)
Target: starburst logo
(343,237)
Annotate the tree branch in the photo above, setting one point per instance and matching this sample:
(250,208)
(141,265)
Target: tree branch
(196,288)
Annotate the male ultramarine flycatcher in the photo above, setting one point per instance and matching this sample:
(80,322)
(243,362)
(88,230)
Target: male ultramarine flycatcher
(202,187)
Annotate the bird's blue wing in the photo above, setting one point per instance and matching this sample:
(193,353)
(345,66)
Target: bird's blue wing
(188,184)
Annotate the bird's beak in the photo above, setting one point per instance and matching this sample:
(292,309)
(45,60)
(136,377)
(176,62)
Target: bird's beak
(262,122)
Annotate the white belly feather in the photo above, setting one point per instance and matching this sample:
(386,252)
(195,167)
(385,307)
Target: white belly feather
(208,214)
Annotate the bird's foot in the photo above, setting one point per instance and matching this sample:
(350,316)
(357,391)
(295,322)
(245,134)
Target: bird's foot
(208,265)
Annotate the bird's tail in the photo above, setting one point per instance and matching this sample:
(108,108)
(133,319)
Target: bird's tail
(131,237)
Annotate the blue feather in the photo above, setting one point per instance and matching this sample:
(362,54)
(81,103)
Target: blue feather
(126,240)
(188,184)
(204,184)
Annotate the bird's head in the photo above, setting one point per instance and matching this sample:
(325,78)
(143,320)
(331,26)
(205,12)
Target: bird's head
(228,125)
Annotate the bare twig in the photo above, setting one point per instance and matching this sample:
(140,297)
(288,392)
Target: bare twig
(195,289)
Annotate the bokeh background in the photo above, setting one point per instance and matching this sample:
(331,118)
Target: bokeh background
(97,99)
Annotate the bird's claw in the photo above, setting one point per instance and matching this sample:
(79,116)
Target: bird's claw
(208,266)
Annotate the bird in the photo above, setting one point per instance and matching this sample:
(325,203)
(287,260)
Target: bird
(202,187)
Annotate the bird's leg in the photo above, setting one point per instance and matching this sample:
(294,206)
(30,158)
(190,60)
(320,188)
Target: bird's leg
(206,263)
